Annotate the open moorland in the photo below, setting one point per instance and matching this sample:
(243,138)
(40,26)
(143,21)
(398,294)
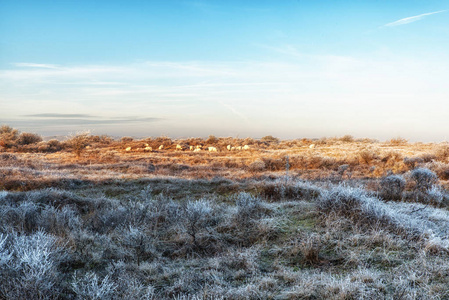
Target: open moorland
(91,217)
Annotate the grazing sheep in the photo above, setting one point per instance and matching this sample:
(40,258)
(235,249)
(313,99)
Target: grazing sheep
(191,148)
(312,146)
(212,149)
(146,145)
(161,147)
(128,149)
(179,147)
(246,147)
(197,150)
(148,149)
(228,147)
(199,147)
(239,147)
(232,148)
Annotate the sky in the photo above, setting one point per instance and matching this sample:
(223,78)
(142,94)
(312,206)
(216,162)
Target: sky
(291,68)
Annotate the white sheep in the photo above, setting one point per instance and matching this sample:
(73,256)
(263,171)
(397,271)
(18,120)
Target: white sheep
(179,147)
(228,147)
(191,148)
(232,148)
(161,147)
(246,147)
(212,149)
(312,146)
(148,149)
(239,147)
(197,150)
(128,149)
(198,147)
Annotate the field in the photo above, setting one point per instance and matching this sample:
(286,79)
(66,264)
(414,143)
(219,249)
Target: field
(333,218)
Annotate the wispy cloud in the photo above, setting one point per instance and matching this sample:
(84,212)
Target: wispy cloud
(44,122)
(412,19)
(53,115)
(34,65)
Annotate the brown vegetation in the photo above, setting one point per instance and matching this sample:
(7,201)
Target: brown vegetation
(92,217)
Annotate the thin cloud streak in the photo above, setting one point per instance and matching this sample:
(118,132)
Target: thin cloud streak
(53,115)
(412,19)
(34,65)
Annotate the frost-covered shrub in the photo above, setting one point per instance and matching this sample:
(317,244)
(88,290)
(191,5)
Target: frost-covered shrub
(197,215)
(5,253)
(282,189)
(140,243)
(91,287)
(412,162)
(353,203)
(424,179)
(437,196)
(248,207)
(59,222)
(392,186)
(32,266)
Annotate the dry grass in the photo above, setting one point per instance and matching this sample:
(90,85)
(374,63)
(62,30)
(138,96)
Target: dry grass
(345,220)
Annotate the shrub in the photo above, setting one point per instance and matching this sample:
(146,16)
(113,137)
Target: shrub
(8,136)
(392,187)
(270,139)
(248,207)
(26,138)
(424,179)
(366,156)
(257,166)
(139,242)
(355,204)
(89,286)
(411,162)
(33,267)
(197,215)
(54,145)
(398,141)
(212,140)
(78,142)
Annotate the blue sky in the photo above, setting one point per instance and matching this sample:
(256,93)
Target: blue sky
(290,69)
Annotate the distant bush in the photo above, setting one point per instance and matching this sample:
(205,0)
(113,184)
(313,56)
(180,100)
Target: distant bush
(442,153)
(398,141)
(126,139)
(270,139)
(257,166)
(392,187)
(367,156)
(54,145)
(347,138)
(26,138)
(412,162)
(78,142)
(212,140)
(424,179)
(8,136)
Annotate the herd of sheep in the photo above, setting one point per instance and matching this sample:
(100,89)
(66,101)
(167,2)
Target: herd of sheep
(199,148)
(196,148)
